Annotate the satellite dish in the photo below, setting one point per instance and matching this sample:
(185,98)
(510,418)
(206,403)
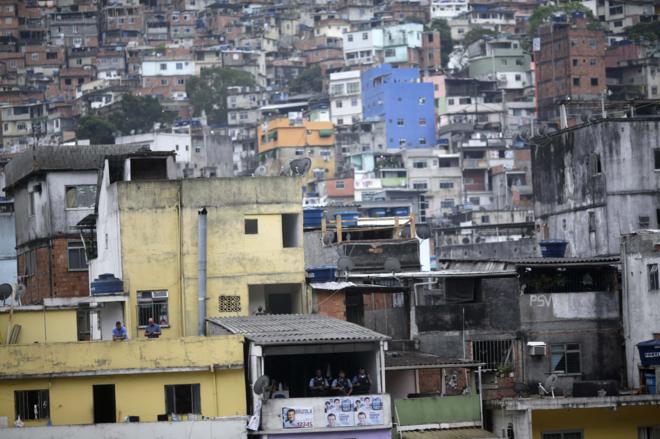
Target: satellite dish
(6,291)
(551,381)
(392,265)
(300,167)
(260,171)
(260,384)
(345,263)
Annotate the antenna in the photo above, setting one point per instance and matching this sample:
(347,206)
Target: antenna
(549,388)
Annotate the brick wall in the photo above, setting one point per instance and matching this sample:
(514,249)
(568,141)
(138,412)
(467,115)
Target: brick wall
(331,304)
(430,380)
(55,268)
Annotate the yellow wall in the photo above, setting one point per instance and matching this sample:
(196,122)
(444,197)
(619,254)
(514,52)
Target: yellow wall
(52,325)
(222,393)
(159,245)
(621,423)
(298,136)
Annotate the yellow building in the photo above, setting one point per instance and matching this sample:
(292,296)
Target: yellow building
(147,235)
(49,375)
(281,140)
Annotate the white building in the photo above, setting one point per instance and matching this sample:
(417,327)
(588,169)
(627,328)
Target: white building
(345,98)
(157,66)
(164,142)
(446,9)
(363,47)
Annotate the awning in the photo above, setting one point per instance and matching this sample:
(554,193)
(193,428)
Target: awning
(457,433)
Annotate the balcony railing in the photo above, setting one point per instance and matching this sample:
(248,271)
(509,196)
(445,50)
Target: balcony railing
(443,411)
(332,413)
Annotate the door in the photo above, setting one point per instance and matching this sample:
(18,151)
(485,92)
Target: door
(279,303)
(355,308)
(104,404)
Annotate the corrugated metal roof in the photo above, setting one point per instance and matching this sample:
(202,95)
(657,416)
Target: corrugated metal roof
(457,433)
(399,360)
(599,260)
(286,329)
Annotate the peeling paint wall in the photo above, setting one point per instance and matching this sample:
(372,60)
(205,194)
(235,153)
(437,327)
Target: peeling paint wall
(590,204)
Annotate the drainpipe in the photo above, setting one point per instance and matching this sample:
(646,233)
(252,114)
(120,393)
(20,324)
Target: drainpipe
(201,258)
(414,331)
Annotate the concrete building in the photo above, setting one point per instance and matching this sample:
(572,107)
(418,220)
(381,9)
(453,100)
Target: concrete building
(22,125)
(345,98)
(570,66)
(640,299)
(447,9)
(144,237)
(501,59)
(632,72)
(594,183)
(167,75)
(363,47)
(397,97)
(7,231)
(621,15)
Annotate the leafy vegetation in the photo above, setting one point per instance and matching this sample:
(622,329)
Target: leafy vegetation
(208,91)
(542,13)
(644,31)
(476,33)
(96,129)
(309,81)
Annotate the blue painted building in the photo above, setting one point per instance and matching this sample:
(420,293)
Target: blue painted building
(397,97)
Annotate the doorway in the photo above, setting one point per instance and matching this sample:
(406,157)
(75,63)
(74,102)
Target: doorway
(279,303)
(104,404)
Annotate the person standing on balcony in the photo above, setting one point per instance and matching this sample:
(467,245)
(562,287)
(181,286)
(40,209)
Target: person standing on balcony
(342,385)
(119,332)
(318,385)
(152,330)
(361,382)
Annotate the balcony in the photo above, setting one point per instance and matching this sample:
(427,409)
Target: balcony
(475,164)
(314,414)
(438,412)
(394,182)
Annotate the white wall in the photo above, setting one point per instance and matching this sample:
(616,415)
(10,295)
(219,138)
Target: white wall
(233,427)
(177,142)
(152,68)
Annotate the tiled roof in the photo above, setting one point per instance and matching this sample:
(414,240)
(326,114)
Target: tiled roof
(415,359)
(285,329)
(61,158)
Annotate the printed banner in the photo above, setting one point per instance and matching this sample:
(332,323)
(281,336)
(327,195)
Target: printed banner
(349,411)
(297,417)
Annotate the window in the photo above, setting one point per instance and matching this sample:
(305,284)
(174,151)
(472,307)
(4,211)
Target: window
(353,87)
(447,203)
(475,201)
(592,222)
(32,404)
(465,101)
(365,36)
(485,219)
(648,432)
(76,255)
(350,38)
(565,358)
(594,82)
(251,226)
(505,62)
(654,282)
(494,353)
(421,101)
(420,164)
(81,196)
(595,165)
(339,184)
(337,89)
(519,62)
(400,122)
(656,158)
(593,61)
(229,304)
(450,101)
(446,185)
(420,185)
(290,230)
(518,77)
(354,102)
(152,304)
(402,142)
(592,43)
(339,104)
(163,82)
(182,399)
(181,81)
(179,66)
(562,435)
(576,82)
(30,262)
(163,66)
(67,81)
(644,222)
(422,140)
(422,121)
(575,62)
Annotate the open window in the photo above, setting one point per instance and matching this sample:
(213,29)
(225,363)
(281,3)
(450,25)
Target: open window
(275,299)
(291,230)
(32,404)
(152,304)
(183,399)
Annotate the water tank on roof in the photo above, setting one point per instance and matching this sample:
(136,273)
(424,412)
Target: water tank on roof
(107,283)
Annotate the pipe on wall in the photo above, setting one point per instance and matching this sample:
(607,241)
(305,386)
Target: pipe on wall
(201,260)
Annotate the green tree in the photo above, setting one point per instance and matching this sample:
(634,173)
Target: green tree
(446,41)
(98,130)
(477,33)
(208,91)
(542,13)
(309,81)
(138,113)
(644,31)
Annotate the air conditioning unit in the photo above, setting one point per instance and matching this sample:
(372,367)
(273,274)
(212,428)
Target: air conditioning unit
(536,348)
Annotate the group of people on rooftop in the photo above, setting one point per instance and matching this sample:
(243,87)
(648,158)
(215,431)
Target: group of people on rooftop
(119,333)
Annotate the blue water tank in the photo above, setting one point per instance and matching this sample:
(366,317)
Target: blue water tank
(650,383)
(107,283)
(349,219)
(553,248)
(312,218)
(322,273)
(377,212)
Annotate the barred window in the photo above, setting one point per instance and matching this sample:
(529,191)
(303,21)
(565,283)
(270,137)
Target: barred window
(494,353)
(32,404)
(153,304)
(229,304)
